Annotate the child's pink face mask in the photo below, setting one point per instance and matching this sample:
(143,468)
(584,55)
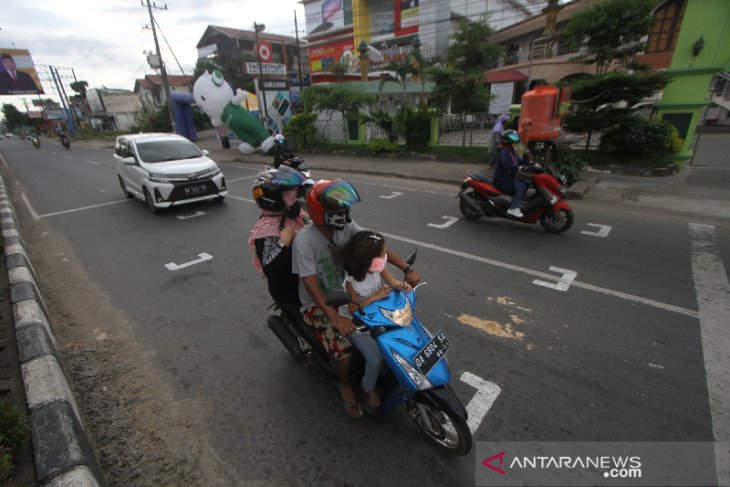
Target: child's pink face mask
(378,264)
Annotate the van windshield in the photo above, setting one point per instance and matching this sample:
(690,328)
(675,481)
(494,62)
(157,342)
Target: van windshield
(167,150)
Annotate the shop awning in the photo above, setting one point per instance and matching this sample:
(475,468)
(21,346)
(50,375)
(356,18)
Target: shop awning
(504,76)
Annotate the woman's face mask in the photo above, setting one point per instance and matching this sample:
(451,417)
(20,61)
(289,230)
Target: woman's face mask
(378,264)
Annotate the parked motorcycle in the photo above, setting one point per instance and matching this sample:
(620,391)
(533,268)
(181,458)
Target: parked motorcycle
(36,141)
(479,196)
(65,142)
(417,376)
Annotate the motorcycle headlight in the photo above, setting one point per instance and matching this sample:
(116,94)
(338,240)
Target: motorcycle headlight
(401,317)
(415,375)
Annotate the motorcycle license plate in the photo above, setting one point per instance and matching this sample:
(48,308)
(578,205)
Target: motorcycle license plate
(195,189)
(432,353)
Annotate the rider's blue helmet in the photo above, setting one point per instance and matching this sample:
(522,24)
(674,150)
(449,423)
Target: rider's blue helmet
(510,137)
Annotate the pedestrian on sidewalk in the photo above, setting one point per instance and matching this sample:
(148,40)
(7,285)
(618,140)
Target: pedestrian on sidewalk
(495,137)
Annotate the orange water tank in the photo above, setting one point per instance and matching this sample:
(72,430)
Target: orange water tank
(541,107)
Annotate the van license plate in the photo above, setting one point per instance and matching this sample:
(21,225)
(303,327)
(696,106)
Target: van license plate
(432,352)
(195,189)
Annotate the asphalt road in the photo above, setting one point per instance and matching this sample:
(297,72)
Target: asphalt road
(595,334)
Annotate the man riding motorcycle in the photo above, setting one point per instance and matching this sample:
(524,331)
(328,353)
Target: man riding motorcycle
(328,205)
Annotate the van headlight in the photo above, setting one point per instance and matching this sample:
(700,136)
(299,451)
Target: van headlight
(160,177)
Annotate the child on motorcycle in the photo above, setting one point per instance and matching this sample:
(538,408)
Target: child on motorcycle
(364,258)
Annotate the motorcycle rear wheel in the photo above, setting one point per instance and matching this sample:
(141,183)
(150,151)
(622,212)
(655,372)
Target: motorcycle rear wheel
(557,221)
(442,429)
(469,212)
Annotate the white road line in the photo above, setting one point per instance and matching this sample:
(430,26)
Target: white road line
(589,287)
(241,179)
(29,206)
(543,275)
(74,210)
(241,199)
(450,220)
(482,401)
(202,258)
(4,162)
(93,162)
(713,298)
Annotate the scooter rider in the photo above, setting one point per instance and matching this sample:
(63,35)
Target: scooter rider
(328,205)
(506,173)
(275,192)
(282,155)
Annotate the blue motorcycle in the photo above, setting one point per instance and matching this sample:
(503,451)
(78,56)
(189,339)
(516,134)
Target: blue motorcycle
(418,373)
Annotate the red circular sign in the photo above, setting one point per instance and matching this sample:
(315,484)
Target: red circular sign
(263,51)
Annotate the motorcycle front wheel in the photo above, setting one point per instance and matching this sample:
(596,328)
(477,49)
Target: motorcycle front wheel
(556,221)
(442,429)
(466,209)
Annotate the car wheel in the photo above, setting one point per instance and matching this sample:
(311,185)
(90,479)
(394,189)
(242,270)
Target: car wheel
(150,202)
(124,188)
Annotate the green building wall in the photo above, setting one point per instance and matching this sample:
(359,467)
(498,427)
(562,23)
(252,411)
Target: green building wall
(690,75)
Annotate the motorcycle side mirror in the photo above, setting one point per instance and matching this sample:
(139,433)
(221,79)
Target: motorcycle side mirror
(411,256)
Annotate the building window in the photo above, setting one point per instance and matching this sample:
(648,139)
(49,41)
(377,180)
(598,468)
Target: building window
(667,22)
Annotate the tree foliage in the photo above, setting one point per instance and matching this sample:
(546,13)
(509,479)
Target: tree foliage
(14,118)
(411,67)
(597,100)
(461,80)
(151,119)
(80,87)
(610,31)
(338,98)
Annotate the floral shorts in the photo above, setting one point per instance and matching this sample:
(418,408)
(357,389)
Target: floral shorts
(337,346)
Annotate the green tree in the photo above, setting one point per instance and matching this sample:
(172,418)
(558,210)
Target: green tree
(412,67)
(461,81)
(80,87)
(151,119)
(336,98)
(14,118)
(605,101)
(610,31)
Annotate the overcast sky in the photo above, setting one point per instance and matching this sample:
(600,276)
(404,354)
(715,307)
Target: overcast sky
(104,40)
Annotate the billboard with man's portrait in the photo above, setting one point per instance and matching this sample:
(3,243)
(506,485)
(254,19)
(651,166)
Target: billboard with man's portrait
(17,73)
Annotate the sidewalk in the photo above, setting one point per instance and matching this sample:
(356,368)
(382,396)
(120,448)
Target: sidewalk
(702,188)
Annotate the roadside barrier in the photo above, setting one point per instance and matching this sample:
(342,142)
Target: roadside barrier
(62,452)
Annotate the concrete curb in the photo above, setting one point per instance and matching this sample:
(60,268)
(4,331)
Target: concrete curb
(62,452)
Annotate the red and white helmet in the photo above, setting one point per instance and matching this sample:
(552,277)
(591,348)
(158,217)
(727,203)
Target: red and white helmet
(331,197)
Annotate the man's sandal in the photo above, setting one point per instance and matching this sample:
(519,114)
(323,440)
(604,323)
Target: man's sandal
(352,410)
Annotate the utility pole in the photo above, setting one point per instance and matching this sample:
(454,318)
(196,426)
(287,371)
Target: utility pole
(260,28)
(68,102)
(163,71)
(299,55)
(58,83)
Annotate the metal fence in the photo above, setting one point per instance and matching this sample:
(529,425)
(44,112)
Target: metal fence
(471,129)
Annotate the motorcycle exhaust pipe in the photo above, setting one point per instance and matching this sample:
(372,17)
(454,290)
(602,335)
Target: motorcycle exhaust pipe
(470,202)
(284,334)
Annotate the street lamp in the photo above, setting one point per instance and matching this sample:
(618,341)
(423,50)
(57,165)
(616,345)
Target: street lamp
(260,28)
